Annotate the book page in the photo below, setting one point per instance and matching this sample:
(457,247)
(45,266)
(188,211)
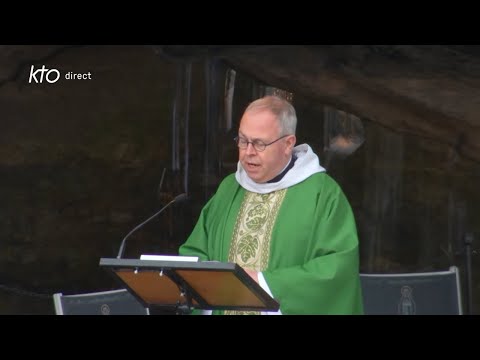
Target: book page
(168,257)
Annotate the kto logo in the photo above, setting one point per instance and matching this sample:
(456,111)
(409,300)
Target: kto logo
(51,75)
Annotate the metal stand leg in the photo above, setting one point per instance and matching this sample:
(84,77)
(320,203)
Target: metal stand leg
(468,271)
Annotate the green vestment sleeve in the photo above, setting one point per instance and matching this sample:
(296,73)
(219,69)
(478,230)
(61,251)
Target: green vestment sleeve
(327,280)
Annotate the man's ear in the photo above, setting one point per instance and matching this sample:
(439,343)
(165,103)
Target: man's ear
(291,141)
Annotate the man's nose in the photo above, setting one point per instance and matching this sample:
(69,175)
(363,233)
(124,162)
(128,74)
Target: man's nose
(250,149)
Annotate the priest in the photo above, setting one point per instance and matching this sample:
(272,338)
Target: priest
(283,219)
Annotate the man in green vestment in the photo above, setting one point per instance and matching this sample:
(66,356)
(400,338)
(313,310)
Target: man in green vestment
(283,219)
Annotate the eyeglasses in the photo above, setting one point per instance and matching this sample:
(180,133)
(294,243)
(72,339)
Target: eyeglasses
(259,145)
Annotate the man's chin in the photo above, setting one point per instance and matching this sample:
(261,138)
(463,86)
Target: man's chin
(254,177)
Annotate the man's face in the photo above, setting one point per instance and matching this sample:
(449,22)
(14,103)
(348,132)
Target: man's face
(262,166)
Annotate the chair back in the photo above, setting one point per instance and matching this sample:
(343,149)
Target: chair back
(428,293)
(112,302)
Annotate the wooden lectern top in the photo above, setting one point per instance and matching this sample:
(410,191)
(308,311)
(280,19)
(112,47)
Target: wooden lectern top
(201,285)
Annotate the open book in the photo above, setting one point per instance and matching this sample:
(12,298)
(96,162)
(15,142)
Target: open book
(168,257)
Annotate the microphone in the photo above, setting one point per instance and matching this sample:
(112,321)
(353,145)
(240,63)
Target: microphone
(178,198)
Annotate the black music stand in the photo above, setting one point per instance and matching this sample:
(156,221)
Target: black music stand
(185,285)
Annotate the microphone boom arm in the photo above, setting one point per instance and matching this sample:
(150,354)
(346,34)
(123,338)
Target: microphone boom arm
(122,245)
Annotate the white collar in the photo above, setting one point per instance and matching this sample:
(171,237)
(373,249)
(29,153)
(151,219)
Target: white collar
(307,164)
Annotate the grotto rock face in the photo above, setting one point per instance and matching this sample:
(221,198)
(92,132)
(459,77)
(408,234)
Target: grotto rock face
(428,90)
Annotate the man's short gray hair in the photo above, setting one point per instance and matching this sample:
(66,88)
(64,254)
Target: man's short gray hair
(281,108)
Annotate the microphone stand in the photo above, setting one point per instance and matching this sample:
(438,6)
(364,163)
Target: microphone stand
(468,240)
(122,246)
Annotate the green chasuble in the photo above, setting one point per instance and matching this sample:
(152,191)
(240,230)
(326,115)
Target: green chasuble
(312,257)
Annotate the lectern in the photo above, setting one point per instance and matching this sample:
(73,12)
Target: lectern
(187,285)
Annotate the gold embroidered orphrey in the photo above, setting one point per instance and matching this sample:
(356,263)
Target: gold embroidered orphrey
(250,247)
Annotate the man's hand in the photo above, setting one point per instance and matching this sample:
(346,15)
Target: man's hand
(253,274)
